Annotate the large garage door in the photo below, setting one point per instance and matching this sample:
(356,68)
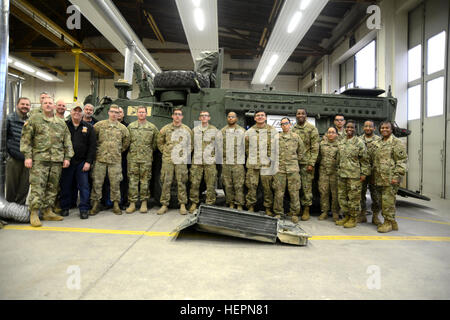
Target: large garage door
(427,96)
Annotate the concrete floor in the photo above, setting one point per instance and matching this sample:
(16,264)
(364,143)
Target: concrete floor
(102,258)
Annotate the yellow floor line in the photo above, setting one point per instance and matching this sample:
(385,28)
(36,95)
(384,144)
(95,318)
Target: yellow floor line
(424,220)
(170,234)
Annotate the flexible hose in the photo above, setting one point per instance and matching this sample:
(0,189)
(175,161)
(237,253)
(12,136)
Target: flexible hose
(14,211)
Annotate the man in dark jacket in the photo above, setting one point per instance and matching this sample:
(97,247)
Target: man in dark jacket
(17,176)
(85,146)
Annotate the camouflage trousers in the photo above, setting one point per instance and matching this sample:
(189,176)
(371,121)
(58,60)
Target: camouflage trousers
(328,184)
(387,196)
(181,175)
(209,172)
(44,183)
(139,175)
(233,177)
(374,195)
(252,181)
(114,172)
(293,182)
(306,187)
(349,195)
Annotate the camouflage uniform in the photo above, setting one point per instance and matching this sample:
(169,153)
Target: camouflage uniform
(113,138)
(328,176)
(256,169)
(352,162)
(310,137)
(369,182)
(48,143)
(233,174)
(291,151)
(140,157)
(204,138)
(389,163)
(182,142)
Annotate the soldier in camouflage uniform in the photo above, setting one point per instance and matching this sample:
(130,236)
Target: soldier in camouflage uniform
(203,162)
(339,123)
(174,142)
(233,171)
(369,138)
(291,151)
(310,137)
(389,167)
(353,168)
(112,139)
(47,146)
(260,138)
(143,136)
(328,175)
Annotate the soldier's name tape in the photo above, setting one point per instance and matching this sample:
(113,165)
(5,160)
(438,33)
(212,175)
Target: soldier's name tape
(172,234)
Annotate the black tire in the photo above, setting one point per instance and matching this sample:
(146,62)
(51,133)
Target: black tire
(180,79)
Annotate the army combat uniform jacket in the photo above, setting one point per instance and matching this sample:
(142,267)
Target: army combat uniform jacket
(113,138)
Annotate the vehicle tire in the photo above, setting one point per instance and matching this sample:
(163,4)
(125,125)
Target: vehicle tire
(181,79)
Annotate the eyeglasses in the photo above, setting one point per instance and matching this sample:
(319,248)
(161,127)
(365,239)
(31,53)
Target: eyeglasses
(284,123)
(204,115)
(177,114)
(231,117)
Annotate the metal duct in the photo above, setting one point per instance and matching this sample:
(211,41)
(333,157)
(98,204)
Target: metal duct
(13,211)
(4,52)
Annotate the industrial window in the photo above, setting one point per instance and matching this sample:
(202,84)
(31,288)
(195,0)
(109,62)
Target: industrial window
(436,53)
(347,74)
(414,63)
(414,102)
(435,97)
(365,66)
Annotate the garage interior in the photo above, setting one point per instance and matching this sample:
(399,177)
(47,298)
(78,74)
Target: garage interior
(401,46)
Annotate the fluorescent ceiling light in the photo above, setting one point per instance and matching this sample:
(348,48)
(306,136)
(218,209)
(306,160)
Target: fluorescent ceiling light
(32,70)
(283,43)
(304,4)
(199,15)
(23,66)
(294,21)
(199,18)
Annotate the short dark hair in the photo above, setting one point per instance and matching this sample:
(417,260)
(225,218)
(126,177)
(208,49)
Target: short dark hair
(302,109)
(350,121)
(386,122)
(338,115)
(370,120)
(177,109)
(141,107)
(258,111)
(23,98)
(332,127)
(285,118)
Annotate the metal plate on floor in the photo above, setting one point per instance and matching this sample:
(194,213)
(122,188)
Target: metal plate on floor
(243,224)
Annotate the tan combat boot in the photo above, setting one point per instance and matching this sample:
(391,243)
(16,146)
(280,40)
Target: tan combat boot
(116,208)
(343,220)
(131,208)
(294,219)
(269,212)
(34,219)
(231,205)
(323,216)
(351,222)
(143,208)
(95,208)
(376,219)
(183,210)
(335,216)
(385,227)
(162,210)
(305,216)
(49,215)
(239,207)
(251,209)
(394,225)
(361,217)
(193,208)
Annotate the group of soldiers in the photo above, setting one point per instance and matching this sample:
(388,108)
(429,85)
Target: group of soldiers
(348,164)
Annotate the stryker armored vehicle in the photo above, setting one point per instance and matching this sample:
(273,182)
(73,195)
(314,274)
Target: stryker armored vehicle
(200,90)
